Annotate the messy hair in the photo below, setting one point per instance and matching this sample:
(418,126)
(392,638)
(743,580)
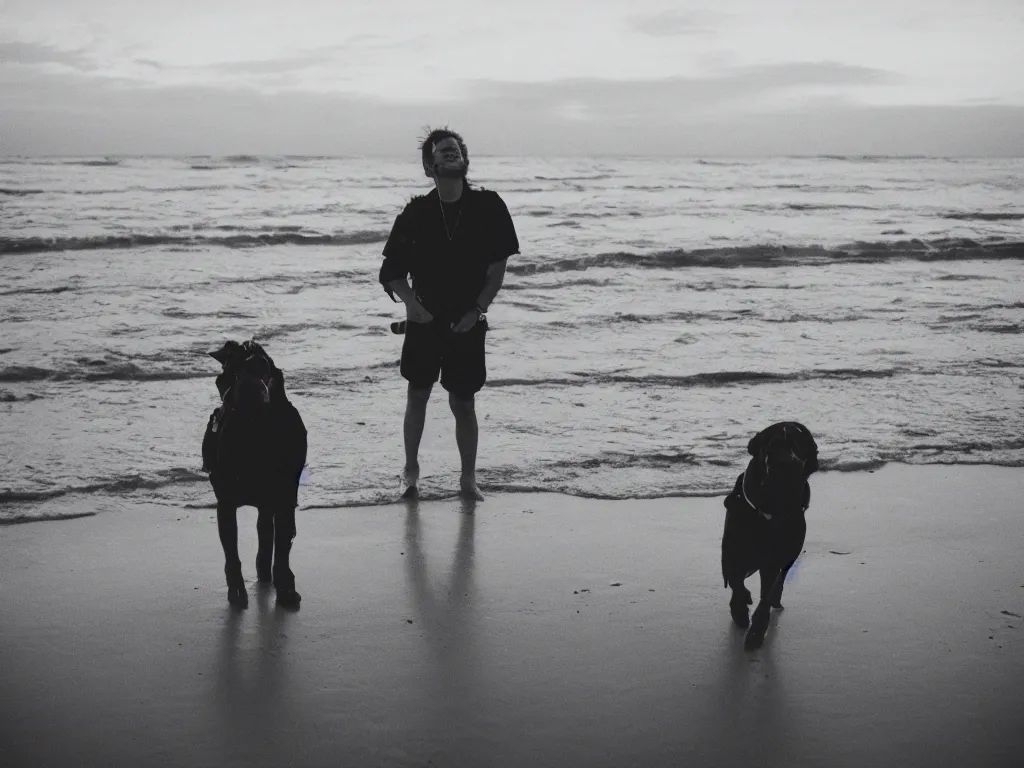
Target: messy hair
(435,135)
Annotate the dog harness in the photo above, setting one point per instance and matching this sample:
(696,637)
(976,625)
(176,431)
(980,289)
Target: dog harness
(752,505)
(767,471)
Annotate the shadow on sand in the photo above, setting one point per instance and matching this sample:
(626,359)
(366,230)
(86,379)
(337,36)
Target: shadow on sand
(250,675)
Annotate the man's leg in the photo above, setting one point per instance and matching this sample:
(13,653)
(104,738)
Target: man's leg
(463,374)
(415,418)
(421,365)
(466,437)
(227,527)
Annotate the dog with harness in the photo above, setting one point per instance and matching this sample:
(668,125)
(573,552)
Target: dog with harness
(254,450)
(765,525)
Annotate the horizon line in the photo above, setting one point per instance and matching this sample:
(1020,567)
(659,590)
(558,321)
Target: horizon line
(555,155)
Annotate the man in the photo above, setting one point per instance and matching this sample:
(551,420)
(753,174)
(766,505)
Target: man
(454,242)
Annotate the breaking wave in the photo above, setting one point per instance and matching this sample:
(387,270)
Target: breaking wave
(120,484)
(97,371)
(709,379)
(15,245)
(780,256)
(983,216)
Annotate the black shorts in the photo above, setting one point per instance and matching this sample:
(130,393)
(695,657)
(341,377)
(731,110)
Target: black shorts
(433,349)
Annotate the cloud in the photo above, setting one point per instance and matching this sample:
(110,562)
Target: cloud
(811,73)
(677,23)
(34,54)
(599,99)
(352,50)
(50,113)
(279,66)
(353,63)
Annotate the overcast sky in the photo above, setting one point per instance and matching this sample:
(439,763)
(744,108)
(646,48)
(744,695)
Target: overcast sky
(690,77)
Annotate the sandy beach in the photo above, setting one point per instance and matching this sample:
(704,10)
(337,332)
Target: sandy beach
(540,630)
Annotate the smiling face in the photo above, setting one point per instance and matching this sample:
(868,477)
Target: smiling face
(447,160)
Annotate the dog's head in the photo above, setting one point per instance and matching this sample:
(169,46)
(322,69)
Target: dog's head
(248,374)
(784,456)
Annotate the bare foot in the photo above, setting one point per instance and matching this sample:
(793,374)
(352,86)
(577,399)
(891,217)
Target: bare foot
(410,478)
(469,490)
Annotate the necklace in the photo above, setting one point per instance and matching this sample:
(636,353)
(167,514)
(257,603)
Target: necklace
(450,233)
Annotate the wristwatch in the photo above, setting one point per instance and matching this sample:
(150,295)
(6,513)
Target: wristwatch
(481,314)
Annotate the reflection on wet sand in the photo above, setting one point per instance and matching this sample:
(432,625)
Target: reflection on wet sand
(747,715)
(250,676)
(444,614)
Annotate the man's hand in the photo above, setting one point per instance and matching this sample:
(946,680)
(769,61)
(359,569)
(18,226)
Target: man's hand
(416,312)
(467,322)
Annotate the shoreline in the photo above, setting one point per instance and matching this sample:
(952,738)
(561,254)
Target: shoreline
(76,500)
(541,629)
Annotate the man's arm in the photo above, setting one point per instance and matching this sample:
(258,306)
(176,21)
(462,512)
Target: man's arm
(503,244)
(400,287)
(394,271)
(414,311)
(398,251)
(492,284)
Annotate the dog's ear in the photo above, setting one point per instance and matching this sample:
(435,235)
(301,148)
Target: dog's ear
(223,354)
(806,448)
(812,464)
(224,382)
(278,391)
(255,347)
(760,441)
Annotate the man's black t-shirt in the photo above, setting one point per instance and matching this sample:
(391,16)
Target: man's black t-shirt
(448,255)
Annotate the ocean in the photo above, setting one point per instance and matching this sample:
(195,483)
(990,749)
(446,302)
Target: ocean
(662,311)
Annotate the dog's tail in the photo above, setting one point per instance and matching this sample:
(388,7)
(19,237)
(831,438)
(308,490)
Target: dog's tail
(734,499)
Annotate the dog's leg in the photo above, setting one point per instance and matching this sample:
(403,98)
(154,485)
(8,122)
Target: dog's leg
(284,579)
(776,596)
(739,601)
(227,528)
(736,556)
(759,621)
(265,553)
(790,553)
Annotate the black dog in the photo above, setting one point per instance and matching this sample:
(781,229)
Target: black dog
(764,521)
(255,449)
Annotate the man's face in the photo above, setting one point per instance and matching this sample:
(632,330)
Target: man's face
(448,162)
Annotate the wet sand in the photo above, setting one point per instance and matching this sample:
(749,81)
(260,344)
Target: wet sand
(539,630)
